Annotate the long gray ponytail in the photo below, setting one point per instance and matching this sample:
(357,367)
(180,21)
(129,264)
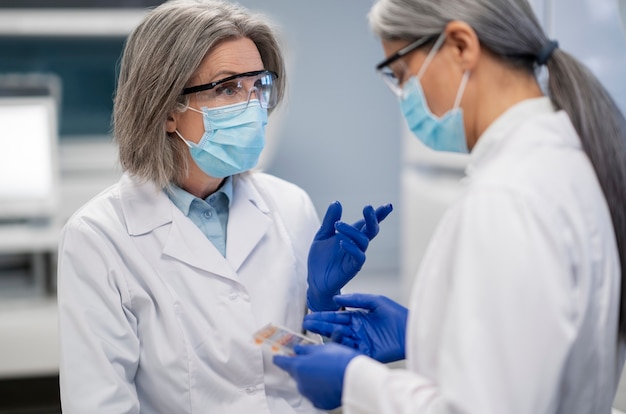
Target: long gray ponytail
(509,29)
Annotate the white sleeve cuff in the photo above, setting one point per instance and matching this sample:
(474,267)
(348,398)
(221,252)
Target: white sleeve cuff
(362,384)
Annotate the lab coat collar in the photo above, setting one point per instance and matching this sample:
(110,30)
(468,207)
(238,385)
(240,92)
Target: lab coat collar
(504,126)
(144,205)
(145,208)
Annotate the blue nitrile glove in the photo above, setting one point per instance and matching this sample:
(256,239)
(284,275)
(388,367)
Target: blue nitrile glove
(377,328)
(318,371)
(338,253)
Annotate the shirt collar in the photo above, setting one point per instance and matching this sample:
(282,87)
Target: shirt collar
(182,199)
(227,189)
(504,125)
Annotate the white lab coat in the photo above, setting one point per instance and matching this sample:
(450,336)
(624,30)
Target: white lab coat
(515,305)
(153,319)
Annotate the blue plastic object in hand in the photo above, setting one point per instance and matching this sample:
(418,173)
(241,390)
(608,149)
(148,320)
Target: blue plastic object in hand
(319,370)
(377,328)
(338,253)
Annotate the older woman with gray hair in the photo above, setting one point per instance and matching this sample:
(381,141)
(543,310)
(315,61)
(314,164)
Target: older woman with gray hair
(519,303)
(164,278)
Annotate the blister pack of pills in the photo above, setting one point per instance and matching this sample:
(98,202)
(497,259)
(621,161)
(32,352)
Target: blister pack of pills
(280,339)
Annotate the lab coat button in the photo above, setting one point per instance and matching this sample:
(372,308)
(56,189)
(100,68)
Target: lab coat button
(250,390)
(233,296)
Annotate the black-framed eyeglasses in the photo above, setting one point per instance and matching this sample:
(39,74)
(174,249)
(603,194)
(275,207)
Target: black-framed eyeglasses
(386,69)
(236,89)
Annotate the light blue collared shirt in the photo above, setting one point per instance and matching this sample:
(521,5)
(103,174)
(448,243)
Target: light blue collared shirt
(210,214)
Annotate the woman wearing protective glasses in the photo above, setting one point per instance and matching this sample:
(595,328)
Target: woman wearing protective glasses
(518,304)
(164,278)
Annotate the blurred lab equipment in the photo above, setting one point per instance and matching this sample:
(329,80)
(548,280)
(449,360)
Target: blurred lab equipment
(29,183)
(57,79)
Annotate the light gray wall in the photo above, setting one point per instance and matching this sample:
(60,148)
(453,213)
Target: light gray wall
(340,137)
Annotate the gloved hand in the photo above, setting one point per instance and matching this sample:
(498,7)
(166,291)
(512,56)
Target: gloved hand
(377,328)
(338,253)
(318,371)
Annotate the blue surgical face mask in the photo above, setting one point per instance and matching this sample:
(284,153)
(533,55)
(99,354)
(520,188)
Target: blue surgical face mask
(442,134)
(233,138)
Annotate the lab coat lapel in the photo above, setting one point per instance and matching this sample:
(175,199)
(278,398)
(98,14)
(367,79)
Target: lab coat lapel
(248,221)
(148,210)
(186,243)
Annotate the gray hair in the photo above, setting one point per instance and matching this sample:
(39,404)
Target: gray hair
(160,57)
(510,30)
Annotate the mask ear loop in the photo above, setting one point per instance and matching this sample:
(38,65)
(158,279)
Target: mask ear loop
(194,109)
(182,108)
(459,94)
(181,137)
(431,55)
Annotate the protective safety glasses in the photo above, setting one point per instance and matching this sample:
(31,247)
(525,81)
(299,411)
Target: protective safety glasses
(237,89)
(394,70)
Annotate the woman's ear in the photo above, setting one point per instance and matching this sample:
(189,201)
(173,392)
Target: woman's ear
(171,121)
(466,44)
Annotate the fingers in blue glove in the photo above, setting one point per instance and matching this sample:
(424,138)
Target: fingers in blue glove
(353,234)
(357,257)
(319,370)
(332,317)
(383,211)
(369,224)
(337,254)
(378,325)
(330,327)
(360,300)
(371,228)
(333,215)
(372,218)
(348,341)
(334,325)
(289,363)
